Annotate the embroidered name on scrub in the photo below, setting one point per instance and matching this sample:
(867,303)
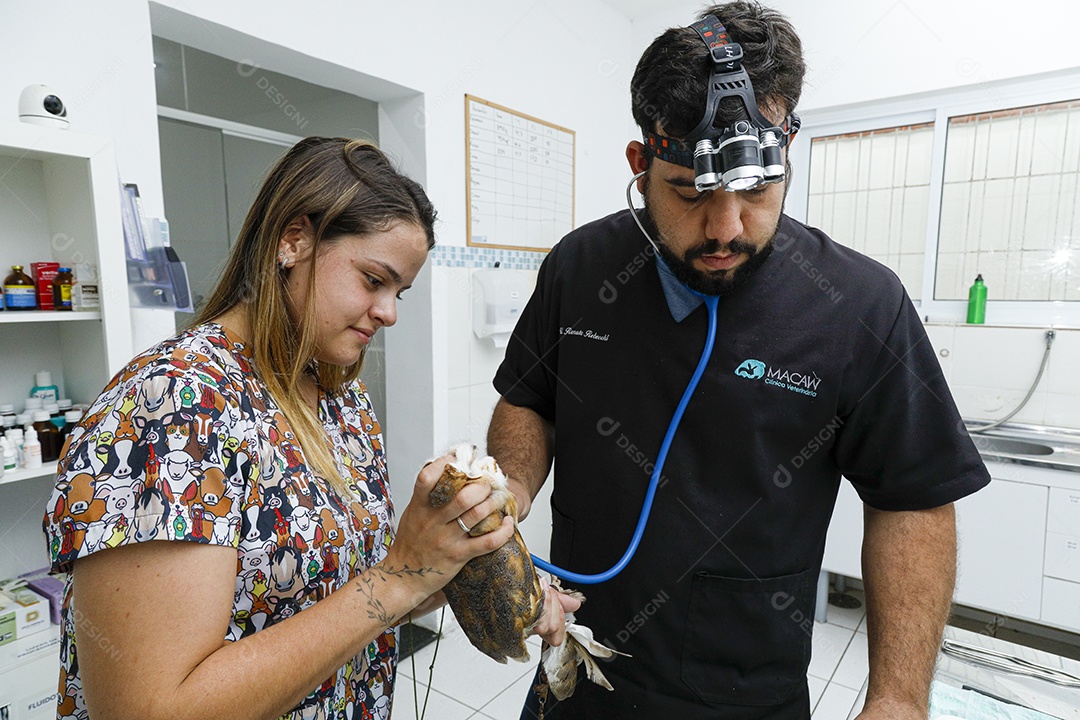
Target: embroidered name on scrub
(584,333)
(778,377)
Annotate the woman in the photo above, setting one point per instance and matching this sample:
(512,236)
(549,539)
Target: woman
(248,439)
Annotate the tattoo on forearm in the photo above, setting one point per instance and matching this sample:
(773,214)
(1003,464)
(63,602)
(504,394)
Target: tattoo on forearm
(366,587)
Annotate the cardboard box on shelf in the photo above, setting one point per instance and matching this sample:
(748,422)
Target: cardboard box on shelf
(23,613)
(43,274)
(86,292)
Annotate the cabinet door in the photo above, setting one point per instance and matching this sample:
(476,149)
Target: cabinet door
(1001,531)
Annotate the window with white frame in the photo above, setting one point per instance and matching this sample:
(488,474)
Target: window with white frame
(869,190)
(1010,209)
(945,186)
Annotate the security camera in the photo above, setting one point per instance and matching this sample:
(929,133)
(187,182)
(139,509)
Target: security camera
(40,105)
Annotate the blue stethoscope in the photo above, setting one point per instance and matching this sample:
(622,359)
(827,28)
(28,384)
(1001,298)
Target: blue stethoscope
(711,302)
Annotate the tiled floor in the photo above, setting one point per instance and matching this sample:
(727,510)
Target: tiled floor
(465,684)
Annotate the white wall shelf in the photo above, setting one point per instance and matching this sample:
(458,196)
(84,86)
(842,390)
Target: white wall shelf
(47,316)
(13,476)
(59,202)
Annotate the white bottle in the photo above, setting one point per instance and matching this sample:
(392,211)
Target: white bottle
(15,442)
(31,449)
(10,459)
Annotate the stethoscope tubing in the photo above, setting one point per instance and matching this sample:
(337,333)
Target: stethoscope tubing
(711,303)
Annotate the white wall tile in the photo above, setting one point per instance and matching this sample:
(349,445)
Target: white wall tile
(1041,219)
(981,151)
(881,160)
(910,270)
(482,399)
(1070,151)
(999,358)
(1025,143)
(996,214)
(861,227)
(459,333)
(948,281)
(952,230)
(1061,375)
(1001,160)
(817,165)
(1062,410)
(458,416)
(842,226)
(990,403)
(959,147)
(1035,275)
(920,147)
(484,359)
(862,182)
(1046,150)
(847,164)
(916,200)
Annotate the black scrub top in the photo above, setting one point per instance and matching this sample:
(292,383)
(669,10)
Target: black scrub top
(821,367)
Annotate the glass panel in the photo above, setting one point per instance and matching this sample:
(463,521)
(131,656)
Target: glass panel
(869,191)
(1009,204)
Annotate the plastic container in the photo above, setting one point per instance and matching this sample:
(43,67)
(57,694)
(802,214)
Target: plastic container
(31,450)
(7,409)
(44,388)
(19,292)
(15,442)
(33,403)
(8,457)
(976,312)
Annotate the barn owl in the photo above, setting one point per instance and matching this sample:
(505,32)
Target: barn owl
(498,598)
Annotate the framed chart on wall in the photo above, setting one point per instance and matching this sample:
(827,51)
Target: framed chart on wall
(519,178)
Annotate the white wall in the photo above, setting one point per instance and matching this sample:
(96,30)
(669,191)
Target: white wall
(418,59)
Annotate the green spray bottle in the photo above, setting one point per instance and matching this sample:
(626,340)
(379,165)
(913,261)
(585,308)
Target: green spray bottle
(977,302)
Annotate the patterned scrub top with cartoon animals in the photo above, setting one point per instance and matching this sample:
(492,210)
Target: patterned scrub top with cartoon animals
(186,444)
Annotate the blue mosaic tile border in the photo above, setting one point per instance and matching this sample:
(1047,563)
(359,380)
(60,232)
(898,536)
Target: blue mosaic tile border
(469,256)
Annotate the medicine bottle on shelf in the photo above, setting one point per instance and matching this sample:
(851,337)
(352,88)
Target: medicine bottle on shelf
(61,289)
(19,291)
(71,420)
(44,388)
(7,409)
(48,435)
(8,456)
(63,405)
(31,450)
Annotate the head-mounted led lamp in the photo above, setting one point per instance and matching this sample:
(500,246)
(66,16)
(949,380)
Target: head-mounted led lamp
(742,155)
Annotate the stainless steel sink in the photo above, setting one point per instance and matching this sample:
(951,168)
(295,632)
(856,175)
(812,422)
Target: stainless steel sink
(991,444)
(1035,445)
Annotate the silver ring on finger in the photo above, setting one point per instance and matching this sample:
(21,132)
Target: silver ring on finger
(462,525)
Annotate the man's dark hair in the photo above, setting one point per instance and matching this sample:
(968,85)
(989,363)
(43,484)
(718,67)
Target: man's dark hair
(670,84)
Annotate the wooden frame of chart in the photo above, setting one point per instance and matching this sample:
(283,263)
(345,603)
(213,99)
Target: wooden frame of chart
(519,178)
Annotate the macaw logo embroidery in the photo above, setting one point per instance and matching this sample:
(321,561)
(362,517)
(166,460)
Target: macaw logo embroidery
(802,383)
(752,369)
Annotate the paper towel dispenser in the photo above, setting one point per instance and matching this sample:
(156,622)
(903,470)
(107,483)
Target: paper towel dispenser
(499,296)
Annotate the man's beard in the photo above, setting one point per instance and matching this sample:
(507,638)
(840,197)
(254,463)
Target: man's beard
(715,282)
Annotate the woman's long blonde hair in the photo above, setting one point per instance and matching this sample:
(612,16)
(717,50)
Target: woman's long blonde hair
(343,187)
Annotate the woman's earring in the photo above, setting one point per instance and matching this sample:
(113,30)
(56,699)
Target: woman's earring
(283,261)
